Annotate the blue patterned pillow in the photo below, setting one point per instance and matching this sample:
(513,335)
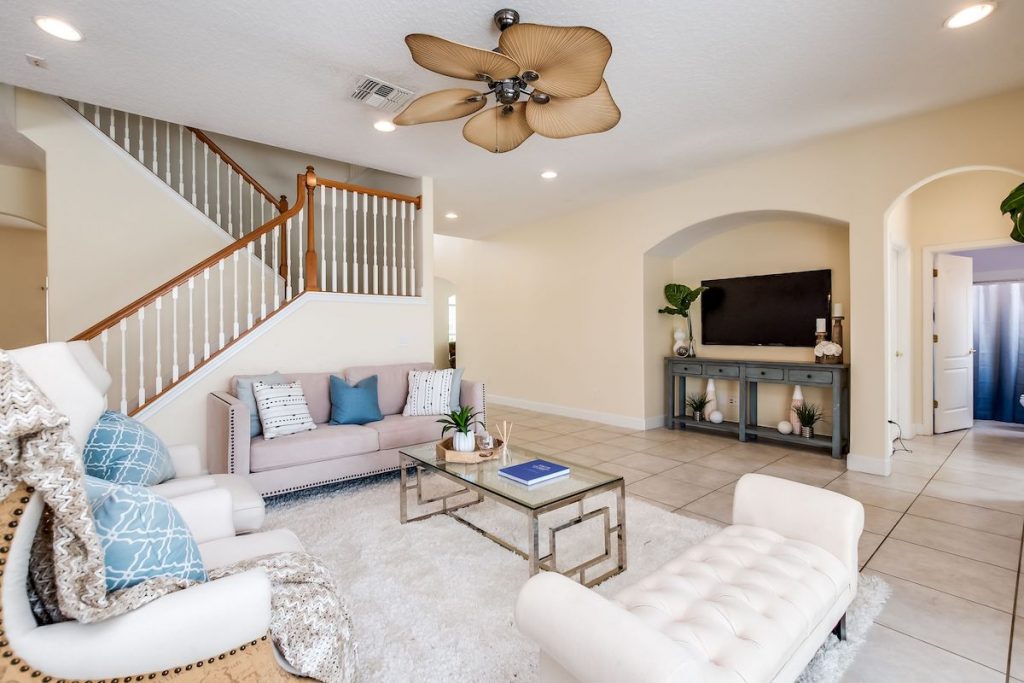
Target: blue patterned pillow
(124,451)
(142,535)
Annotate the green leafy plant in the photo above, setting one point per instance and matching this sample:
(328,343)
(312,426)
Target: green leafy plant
(681,298)
(1013,206)
(698,403)
(809,414)
(461,420)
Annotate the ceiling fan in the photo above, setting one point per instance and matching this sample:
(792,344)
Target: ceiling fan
(559,70)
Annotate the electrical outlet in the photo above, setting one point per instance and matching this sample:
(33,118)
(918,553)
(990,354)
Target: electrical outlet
(731,400)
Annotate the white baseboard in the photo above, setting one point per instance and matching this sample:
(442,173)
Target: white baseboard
(921,429)
(261,329)
(869,464)
(624,421)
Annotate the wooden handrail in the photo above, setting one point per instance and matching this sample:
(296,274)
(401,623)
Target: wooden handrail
(370,191)
(206,140)
(182,278)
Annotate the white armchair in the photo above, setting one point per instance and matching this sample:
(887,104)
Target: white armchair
(74,379)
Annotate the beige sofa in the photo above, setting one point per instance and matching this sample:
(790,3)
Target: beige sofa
(329,453)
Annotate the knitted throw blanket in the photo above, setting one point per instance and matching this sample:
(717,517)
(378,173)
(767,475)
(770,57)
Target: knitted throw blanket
(308,624)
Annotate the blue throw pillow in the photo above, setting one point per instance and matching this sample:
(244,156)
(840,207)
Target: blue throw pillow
(354,405)
(142,535)
(124,451)
(456,388)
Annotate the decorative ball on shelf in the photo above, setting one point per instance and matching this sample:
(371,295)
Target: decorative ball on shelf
(716,416)
(785,427)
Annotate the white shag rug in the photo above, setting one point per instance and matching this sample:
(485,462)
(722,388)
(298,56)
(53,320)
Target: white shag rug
(433,600)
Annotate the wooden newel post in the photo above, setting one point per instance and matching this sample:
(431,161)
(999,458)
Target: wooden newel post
(312,280)
(283,267)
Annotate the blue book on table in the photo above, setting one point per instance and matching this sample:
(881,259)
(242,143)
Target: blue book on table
(533,472)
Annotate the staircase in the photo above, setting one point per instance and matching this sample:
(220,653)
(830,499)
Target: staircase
(336,237)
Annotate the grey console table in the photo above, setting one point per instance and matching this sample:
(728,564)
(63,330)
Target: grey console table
(749,374)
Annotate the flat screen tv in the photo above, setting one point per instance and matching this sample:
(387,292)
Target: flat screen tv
(765,310)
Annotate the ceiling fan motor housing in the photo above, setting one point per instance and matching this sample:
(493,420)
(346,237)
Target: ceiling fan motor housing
(504,18)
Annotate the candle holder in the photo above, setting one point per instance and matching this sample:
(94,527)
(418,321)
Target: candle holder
(837,336)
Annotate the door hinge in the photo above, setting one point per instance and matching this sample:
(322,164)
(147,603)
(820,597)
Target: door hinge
(935,404)
(935,339)
(935,272)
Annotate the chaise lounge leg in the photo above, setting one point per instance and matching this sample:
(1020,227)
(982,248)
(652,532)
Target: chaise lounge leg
(840,629)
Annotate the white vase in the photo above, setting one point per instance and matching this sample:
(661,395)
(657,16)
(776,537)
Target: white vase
(712,397)
(464,442)
(798,400)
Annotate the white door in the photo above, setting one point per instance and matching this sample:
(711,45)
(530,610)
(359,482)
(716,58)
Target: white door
(954,352)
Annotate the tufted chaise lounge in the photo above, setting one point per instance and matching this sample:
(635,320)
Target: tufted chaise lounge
(751,603)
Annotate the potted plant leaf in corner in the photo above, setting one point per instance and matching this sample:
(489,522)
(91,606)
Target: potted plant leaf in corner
(698,403)
(1013,206)
(462,421)
(680,298)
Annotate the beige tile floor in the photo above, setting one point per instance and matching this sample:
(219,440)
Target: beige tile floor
(944,530)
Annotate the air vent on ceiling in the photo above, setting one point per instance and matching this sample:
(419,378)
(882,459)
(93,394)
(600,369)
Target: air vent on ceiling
(381,95)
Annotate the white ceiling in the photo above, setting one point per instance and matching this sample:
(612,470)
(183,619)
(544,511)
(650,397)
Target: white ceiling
(698,82)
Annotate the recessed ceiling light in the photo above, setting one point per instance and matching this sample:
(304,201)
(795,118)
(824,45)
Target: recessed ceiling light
(384,126)
(58,28)
(451,215)
(970,15)
(549,175)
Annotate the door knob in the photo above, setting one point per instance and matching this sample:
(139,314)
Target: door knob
(971,350)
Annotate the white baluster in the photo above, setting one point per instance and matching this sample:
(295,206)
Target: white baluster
(206,180)
(405,278)
(96,115)
(291,248)
(366,259)
(323,240)
(412,251)
(194,169)
(241,225)
(344,241)
(220,305)
(81,109)
(167,152)
(141,358)
(111,131)
(263,212)
(174,335)
(355,242)
(142,143)
(334,239)
(181,160)
(124,365)
(231,230)
(384,230)
(394,248)
(249,250)
(263,277)
(159,360)
(275,237)
(217,198)
(206,314)
(252,209)
(234,295)
(104,339)
(376,287)
(300,253)
(156,167)
(127,133)
(191,325)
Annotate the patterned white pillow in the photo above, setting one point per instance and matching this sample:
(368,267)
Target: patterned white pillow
(430,392)
(283,409)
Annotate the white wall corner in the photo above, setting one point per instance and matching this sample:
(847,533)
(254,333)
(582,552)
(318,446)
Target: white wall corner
(624,421)
(869,464)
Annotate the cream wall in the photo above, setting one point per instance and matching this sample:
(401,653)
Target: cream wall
(22,281)
(554,312)
(115,230)
(759,247)
(22,197)
(946,214)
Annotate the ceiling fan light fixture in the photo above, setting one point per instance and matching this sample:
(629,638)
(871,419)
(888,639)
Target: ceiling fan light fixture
(58,28)
(384,126)
(969,15)
(549,175)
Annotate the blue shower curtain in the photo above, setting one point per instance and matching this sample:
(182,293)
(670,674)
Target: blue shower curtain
(999,360)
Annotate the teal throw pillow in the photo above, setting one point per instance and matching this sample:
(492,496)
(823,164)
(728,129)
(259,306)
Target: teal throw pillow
(244,393)
(125,451)
(142,535)
(456,388)
(354,405)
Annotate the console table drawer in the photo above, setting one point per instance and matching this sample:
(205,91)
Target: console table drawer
(687,369)
(809,377)
(765,373)
(722,370)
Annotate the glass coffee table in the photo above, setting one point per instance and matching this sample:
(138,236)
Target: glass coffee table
(533,501)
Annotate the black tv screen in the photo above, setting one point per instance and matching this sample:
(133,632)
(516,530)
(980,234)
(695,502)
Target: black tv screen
(765,310)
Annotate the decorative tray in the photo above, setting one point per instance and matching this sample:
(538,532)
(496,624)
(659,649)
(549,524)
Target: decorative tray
(446,451)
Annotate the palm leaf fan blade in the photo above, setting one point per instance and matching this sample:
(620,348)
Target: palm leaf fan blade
(457,60)
(499,129)
(443,105)
(563,117)
(569,60)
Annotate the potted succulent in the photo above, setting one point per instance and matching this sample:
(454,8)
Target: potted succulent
(809,414)
(462,421)
(698,403)
(681,298)
(1013,206)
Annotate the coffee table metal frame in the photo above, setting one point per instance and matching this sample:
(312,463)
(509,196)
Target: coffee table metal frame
(532,554)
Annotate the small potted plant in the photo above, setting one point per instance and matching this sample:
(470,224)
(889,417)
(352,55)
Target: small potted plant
(698,403)
(809,414)
(462,421)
